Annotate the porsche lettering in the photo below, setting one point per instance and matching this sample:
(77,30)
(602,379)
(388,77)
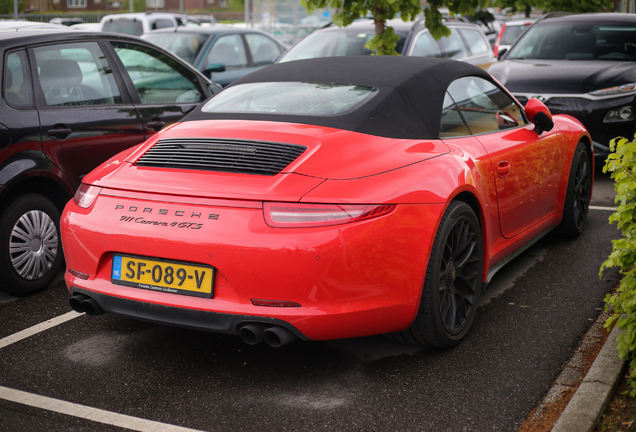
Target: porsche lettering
(165,212)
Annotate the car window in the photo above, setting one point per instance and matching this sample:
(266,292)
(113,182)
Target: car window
(511,33)
(190,23)
(185,45)
(453,124)
(290,98)
(157,77)
(229,51)
(426,46)
(454,45)
(17,88)
(75,74)
(342,42)
(482,103)
(126,26)
(578,41)
(476,43)
(162,23)
(264,50)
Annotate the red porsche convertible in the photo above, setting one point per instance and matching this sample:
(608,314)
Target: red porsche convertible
(328,198)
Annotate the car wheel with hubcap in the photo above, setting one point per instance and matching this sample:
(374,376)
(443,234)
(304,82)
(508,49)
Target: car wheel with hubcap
(30,245)
(453,282)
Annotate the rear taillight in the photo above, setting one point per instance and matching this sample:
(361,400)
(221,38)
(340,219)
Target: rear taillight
(85,195)
(293,215)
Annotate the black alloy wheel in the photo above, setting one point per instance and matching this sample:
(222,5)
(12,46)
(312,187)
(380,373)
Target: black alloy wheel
(454,278)
(577,199)
(458,273)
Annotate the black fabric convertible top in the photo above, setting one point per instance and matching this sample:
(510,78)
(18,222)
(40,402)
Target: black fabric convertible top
(408,104)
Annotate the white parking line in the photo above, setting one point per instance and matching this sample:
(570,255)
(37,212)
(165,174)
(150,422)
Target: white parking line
(602,208)
(38,328)
(84,412)
(68,408)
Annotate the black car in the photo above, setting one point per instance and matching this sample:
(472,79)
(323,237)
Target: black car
(582,65)
(466,42)
(70,100)
(221,53)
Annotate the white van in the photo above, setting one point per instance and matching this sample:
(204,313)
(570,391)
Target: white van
(139,23)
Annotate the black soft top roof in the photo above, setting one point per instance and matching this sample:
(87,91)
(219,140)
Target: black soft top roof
(408,104)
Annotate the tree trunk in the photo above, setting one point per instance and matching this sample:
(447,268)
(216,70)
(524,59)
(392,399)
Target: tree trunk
(379,25)
(528,10)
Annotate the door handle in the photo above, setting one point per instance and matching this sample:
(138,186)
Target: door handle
(59,132)
(503,168)
(156,124)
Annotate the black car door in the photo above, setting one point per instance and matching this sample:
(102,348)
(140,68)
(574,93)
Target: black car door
(20,144)
(162,89)
(85,112)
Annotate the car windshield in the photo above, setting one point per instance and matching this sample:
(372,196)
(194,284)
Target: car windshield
(184,45)
(289,98)
(511,33)
(577,41)
(344,42)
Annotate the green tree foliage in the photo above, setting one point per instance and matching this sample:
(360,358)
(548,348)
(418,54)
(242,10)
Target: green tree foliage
(6,6)
(622,165)
(573,6)
(385,38)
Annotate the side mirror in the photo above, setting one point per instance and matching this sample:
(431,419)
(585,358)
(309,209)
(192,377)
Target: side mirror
(505,120)
(213,67)
(501,53)
(540,115)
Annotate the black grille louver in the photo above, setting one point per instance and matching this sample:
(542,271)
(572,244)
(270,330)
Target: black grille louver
(217,154)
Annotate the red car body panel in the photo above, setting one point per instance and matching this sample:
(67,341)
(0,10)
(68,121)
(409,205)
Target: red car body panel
(345,288)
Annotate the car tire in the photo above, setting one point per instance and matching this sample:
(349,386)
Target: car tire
(30,245)
(453,282)
(577,197)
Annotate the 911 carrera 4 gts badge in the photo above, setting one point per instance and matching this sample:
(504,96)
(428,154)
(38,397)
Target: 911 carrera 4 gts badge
(163,212)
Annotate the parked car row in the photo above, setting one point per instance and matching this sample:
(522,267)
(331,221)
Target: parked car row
(466,42)
(580,65)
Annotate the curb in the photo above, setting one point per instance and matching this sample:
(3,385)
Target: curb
(587,405)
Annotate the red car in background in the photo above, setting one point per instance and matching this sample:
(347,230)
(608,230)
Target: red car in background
(328,198)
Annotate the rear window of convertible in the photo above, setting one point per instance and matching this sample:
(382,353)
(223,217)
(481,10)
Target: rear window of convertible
(290,98)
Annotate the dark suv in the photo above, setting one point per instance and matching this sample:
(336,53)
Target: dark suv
(70,100)
(582,65)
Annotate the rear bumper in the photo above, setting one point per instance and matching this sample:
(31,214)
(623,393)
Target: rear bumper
(350,280)
(180,317)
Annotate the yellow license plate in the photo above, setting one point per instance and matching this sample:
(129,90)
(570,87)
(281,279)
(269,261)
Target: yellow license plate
(162,275)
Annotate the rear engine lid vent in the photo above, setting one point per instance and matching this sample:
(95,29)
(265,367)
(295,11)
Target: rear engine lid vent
(217,154)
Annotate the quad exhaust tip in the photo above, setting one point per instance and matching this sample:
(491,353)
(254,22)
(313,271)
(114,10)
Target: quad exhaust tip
(84,304)
(275,336)
(251,333)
